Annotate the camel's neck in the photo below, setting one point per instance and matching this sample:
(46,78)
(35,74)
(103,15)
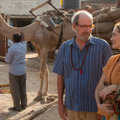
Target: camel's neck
(68,32)
(8,31)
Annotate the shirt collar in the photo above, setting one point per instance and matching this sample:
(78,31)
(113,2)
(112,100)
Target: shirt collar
(91,41)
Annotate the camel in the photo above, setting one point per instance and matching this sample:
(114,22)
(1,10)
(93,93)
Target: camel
(44,40)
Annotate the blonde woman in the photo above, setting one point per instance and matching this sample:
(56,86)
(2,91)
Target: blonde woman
(111,74)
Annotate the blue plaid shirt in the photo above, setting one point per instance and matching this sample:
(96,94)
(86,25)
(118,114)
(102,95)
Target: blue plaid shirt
(80,88)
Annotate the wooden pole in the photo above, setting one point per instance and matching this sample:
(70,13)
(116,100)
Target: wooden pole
(33,9)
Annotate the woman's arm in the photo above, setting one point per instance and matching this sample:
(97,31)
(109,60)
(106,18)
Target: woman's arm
(102,108)
(106,91)
(98,88)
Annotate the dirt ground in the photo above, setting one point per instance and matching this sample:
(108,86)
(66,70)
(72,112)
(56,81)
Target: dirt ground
(33,82)
(50,114)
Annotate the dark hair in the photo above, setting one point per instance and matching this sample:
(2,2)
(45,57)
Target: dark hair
(118,26)
(17,37)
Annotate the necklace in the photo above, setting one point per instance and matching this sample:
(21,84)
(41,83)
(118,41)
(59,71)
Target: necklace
(79,69)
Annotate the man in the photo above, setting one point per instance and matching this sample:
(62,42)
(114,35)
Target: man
(79,66)
(17,72)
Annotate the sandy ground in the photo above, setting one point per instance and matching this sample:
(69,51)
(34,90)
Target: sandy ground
(50,114)
(33,81)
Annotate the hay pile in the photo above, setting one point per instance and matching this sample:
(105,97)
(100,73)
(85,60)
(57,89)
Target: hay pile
(104,21)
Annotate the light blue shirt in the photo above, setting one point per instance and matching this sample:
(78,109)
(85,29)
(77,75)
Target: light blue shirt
(80,88)
(16,58)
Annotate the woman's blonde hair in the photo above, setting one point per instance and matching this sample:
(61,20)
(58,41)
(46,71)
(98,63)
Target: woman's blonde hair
(118,26)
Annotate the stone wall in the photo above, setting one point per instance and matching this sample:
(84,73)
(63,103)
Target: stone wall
(22,7)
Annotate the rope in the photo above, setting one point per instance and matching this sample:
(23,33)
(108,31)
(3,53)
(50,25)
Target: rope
(60,38)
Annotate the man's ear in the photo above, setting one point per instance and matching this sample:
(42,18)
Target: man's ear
(74,26)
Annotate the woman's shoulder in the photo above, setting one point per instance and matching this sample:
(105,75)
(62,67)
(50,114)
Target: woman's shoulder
(111,62)
(113,58)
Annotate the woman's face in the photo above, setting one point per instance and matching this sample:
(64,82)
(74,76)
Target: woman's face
(115,39)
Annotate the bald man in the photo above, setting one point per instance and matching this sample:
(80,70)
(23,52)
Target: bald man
(78,66)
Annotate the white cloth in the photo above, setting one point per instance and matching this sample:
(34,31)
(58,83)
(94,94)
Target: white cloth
(10,43)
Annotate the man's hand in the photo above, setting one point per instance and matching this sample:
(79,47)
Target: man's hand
(62,111)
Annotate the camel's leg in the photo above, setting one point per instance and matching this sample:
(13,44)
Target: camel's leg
(46,81)
(43,56)
(39,96)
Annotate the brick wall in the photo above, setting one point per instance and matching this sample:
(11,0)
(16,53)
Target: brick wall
(3,41)
(3,48)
